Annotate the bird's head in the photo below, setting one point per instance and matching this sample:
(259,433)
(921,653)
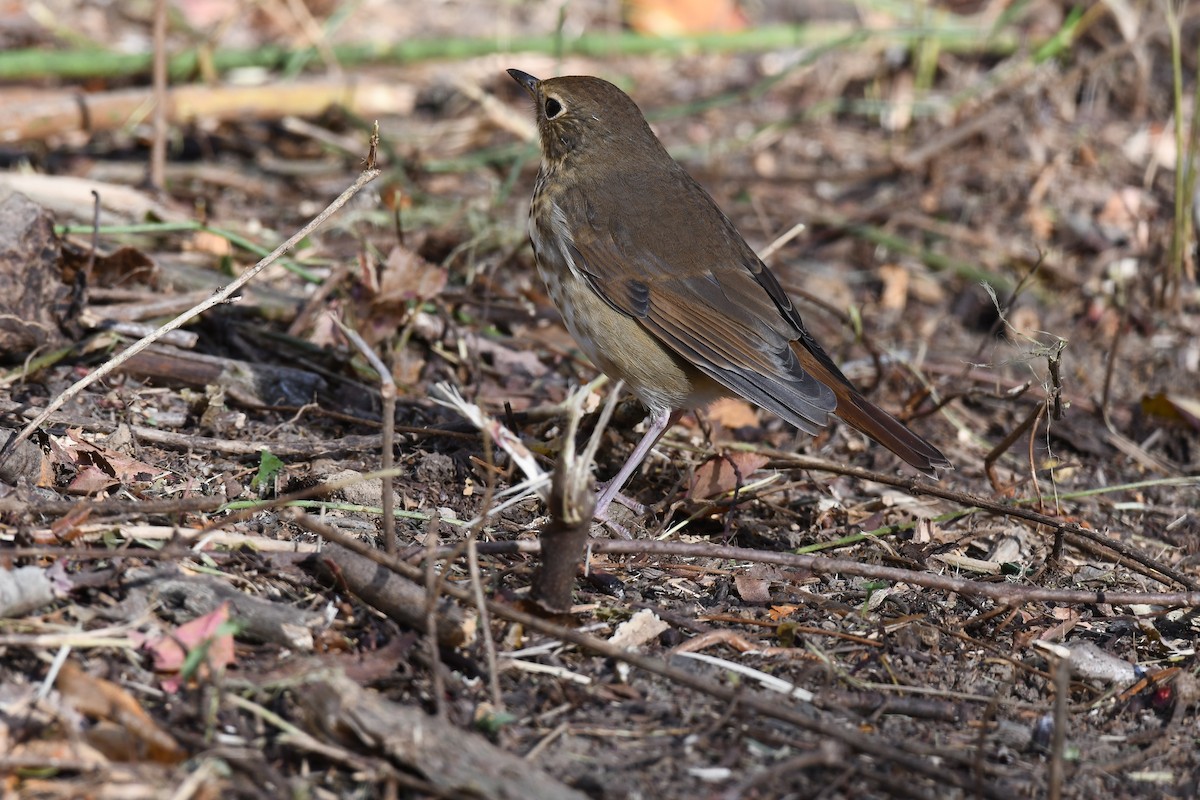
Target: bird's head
(579,112)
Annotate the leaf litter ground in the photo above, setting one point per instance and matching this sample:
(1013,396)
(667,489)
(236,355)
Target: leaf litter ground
(1043,179)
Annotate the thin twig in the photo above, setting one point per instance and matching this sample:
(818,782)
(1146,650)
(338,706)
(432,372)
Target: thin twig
(432,587)
(387,394)
(1006,593)
(1002,447)
(485,626)
(485,621)
(217,298)
(1058,737)
(968,501)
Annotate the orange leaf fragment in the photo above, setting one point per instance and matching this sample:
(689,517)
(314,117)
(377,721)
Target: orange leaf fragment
(731,412)
(721,474)
(781,612)
(680,17)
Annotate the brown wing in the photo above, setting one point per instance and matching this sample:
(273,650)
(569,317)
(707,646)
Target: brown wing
(723,310)
(721,315)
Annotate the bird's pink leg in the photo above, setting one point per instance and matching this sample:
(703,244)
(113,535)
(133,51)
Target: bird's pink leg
(660,420)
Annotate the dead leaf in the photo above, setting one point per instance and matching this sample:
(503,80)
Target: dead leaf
(101,468)
(753,589)
(406,276)
(106,701)
(506,359)
(731,413)
(91,480)
(124,267)
(170,653)
(638,629)
(778,613)
(721,474)
(1174,408)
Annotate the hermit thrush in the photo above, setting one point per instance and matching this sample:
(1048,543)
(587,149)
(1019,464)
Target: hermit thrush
(661,291)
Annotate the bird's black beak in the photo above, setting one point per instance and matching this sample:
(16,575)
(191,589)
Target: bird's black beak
(525,79)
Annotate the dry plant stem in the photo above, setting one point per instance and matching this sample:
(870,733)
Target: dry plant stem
(395,596)
(904,756)
(55,115)
(432,589)
(217,298)
(1006,593)
(1062,689)
(1172,279)
(989,461)
(94,554)
(1110,367)
(917,488)
(1033,479)
(387,396)
(158,147)
(485,622)
(95,248)
(571,504)
(564,544)
(111,508)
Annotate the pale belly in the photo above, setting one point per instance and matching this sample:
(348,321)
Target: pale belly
(624,350)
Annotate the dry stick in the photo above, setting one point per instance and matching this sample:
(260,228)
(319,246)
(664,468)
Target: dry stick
(158,147)
(1058,738)
(1110,366)
(432,589)
(989,461)
(917,488)
(1037,487)
(485,621)
(387,395)
(1007,593)
(110,508)
(570,505)
(218,297)
(852,567)
(902,756)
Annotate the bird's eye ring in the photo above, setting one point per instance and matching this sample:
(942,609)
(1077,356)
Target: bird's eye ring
(553,108)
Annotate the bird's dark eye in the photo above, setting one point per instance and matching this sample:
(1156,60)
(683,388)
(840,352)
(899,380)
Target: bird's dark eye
(553,108)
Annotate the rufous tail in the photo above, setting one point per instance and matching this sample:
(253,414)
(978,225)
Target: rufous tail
(863,415)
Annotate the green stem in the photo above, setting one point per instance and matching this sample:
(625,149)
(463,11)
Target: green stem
(27,64)
(176,227)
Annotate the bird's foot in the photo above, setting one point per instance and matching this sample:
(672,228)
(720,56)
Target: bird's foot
(602,514)
(620,530)
(607,494)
